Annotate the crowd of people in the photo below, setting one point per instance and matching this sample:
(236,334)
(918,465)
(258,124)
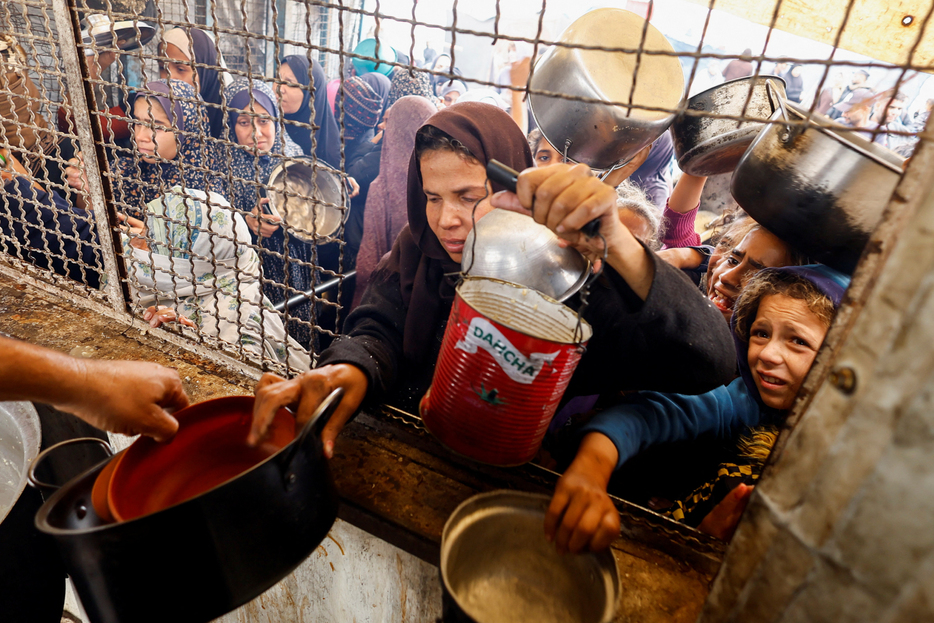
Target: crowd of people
(718,332)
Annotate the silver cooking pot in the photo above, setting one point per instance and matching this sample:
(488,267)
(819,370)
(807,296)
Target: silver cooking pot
(20,437)
(604,135)
(497,566)
(307,194)
(821,189)
(707,146)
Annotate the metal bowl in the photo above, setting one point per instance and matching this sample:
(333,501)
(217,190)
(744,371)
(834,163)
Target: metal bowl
(707,146)
(497,566)
(512,247)
(820,189)
(597,134)
(307,195)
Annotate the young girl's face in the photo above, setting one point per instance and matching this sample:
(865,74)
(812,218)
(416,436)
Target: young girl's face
(177,67)
(263,127)
(783,341)
(150,143)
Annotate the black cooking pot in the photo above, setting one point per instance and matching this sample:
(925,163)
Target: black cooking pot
(206,556)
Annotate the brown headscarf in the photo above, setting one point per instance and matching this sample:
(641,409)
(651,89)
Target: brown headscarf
(424,267)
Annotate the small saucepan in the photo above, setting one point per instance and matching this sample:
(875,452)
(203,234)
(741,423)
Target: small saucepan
(707,146)
(497,566)
(200,558)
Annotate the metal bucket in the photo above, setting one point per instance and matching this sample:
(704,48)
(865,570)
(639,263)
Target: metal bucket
(497,567)
(598,134)
(19,444)
(508,355)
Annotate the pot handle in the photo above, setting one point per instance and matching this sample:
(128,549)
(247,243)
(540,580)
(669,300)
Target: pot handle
(314,425)
(34,480)
(780,102)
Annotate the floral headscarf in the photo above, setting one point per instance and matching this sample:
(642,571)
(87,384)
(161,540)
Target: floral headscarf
(196,165)
(249,170)
(405,84)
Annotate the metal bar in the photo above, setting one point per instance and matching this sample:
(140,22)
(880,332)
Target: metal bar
(92,145)
(324,287)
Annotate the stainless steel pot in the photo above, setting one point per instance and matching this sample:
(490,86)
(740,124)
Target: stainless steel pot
(307,195)
(512,247)
(598,134)
(20,436)
(821,189)
(497,567)
(708,146)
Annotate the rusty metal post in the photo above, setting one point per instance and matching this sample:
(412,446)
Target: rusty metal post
(90,138)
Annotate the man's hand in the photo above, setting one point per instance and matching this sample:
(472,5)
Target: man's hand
(304,393)
(127,397)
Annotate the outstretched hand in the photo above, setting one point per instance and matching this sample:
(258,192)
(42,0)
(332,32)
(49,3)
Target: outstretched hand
(722,520)
(303,394)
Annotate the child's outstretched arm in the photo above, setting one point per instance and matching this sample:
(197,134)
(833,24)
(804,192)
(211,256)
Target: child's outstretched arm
(581,515)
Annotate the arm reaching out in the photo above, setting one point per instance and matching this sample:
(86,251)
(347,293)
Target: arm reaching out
(128,397)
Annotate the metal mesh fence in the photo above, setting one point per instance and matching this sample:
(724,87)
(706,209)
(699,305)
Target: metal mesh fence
(160,158)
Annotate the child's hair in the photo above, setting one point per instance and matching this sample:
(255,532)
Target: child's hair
(769,282)
(535,139)
(631,197)
(430,138)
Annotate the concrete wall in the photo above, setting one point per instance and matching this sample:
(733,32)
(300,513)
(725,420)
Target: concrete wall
(841,528)
(352,576)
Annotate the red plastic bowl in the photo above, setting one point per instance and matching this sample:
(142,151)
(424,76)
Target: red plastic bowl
(208,450)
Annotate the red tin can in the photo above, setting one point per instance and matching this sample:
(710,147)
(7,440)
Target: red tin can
(508,355)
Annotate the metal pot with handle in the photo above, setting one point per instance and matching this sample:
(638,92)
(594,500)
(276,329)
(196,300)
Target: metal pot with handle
(707,145)
(646,89)
(203,557)
(821,188)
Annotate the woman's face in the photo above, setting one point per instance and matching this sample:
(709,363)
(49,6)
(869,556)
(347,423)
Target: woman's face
(783,341)
(290,98)
(152,142)
(177,68)
(453,185)
(759,249)
(262,127)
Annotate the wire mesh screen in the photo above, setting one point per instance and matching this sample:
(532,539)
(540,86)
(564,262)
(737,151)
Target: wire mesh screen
(180,168)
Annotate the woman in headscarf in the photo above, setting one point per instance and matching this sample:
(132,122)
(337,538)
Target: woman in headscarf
(363,107)
(168,121)
(296,106)
(381,86)
(403,83)
(170,154)
(193,263)
(386,212)
(253,124)
(652,328)
(184,46)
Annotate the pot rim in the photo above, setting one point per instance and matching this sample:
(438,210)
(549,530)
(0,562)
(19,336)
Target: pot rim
(518,499)
(846,137)
(42,522)
(722,85)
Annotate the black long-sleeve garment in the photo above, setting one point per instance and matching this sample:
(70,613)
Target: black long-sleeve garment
(674,341)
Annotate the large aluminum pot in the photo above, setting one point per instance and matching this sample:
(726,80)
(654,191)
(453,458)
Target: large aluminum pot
(201,558)
(821,189)
(19,444)
(497,566)
(307,195)
(514,248)
(597,134)
(708,146)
